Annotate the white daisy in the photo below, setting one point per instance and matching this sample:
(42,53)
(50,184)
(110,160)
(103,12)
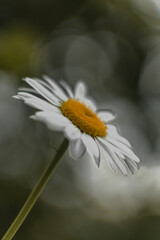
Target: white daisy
(86,128)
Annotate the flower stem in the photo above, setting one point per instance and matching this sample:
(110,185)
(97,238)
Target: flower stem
(36,192)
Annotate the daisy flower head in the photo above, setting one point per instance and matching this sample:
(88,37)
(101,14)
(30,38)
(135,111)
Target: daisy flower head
(87,128)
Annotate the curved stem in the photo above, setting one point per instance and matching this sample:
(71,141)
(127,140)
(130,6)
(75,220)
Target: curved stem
(35,192)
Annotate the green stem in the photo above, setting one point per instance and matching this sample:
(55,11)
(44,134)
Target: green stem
(35,192)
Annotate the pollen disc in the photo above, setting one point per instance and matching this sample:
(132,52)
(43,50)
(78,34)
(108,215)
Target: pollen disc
(84,118)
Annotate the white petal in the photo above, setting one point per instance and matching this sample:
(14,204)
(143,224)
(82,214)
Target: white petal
(16,97)
(56,88)
(112,147)
(72,132)
(67,88)
(109,160)
(42,82)
(54,121)
(92,148)
(30,90)
(113,133)
(119,163)
(56,92)
(26,95)
(114,157)
(90,103)
(43,91)
(80,91)
(106,116)
(132,162)
(124,149)
(52,83)
(76,148)
(99,153)
(130,167)
(36,102)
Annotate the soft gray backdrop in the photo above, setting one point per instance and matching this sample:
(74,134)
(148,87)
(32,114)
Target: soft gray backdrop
(114,46)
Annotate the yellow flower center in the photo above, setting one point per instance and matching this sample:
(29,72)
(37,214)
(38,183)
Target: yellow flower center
(84,118)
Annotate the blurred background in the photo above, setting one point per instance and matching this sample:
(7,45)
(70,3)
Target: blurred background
(114,46)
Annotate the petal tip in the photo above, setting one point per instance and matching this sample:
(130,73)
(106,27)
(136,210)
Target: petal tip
(27,79)
(33,117)
(97,163)
(16,97)
(24,78)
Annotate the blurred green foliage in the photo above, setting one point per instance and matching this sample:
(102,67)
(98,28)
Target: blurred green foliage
(25,24)
(16,47)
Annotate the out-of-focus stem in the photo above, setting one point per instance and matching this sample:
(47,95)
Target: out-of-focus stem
(36,192)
